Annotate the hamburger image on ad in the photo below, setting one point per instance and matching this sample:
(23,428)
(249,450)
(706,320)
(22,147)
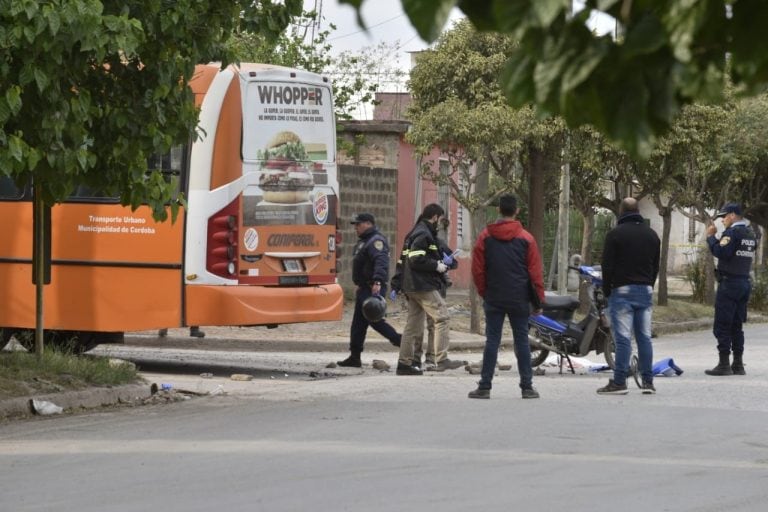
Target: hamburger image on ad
(285,177)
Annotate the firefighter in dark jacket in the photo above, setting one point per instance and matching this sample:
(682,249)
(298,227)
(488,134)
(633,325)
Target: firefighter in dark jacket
(735,253)
(508,273)
(397,284)
(370,272)
(423,267)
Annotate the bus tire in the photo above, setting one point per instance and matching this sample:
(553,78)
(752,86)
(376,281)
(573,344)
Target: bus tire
(75,342)
(88,340)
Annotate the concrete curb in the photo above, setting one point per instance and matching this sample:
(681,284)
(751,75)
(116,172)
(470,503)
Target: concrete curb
(461,341)
(98,397)
(73,400)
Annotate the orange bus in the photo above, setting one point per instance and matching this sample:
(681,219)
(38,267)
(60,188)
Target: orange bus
(256,244)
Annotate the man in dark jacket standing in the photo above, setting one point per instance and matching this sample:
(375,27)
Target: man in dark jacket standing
(630,266)
(507,271)
(422,281)
(370,272)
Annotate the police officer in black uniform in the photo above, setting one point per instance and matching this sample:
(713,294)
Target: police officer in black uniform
(370,272)
(735,252)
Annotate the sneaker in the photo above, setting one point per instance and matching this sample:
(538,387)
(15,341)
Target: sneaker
(403,369)
(613,389)
(530,393)
(350,362)
(417,364)
(480,393)
(648,388)
(396,341)
(195,332)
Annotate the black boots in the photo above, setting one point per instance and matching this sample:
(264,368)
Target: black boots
(353,361)
(724,366)
(738,365)
(404,369)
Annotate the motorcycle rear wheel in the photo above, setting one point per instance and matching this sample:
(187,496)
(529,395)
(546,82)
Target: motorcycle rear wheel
(634,370)
(539,354)
(609,350)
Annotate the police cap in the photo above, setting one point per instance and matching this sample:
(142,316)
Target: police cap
(729,208)
(363,217)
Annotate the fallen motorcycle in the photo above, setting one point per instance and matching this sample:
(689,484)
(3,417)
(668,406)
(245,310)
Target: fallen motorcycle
(555,331)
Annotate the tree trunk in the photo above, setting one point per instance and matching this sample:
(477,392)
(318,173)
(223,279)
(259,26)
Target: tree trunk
(666,219)
(39,235)
(587,233)
(549,283)
(477,221)
(536,172)
(709,272)
(563,229)
(475,301)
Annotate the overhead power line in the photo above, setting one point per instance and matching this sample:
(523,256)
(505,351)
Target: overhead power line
(365,30)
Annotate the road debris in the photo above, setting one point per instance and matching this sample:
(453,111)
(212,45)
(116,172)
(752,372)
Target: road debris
(44,408)
(378,364)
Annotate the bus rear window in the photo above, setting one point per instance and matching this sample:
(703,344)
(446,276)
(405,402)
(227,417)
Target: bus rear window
(86,193)
(8,189)
(170,163)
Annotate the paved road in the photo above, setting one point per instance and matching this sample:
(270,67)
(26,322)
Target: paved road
(375,441)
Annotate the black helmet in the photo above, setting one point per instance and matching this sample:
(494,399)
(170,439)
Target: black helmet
(374,308)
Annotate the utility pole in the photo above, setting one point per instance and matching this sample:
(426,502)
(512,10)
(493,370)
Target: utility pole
(563,219)
(563,222)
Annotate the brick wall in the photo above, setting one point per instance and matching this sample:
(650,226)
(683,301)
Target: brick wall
(375,143)
(372,190)
(378,150)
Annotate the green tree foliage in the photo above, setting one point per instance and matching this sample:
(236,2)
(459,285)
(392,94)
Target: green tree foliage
(689,161)
(745,155)
(458,107)
(463,113)
(669,53)
(91,88)
(298,46)
(357,76)
(691,158)
(594,163)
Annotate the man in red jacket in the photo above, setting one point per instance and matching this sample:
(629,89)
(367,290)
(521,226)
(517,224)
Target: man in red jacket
(509,255)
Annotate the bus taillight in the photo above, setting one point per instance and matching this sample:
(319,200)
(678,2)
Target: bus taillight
(222,241)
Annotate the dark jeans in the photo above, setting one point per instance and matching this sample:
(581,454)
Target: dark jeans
(494,323)
(730,313)
(359,327)
(631,309)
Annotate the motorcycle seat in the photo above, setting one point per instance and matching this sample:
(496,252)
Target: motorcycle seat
(558,302)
